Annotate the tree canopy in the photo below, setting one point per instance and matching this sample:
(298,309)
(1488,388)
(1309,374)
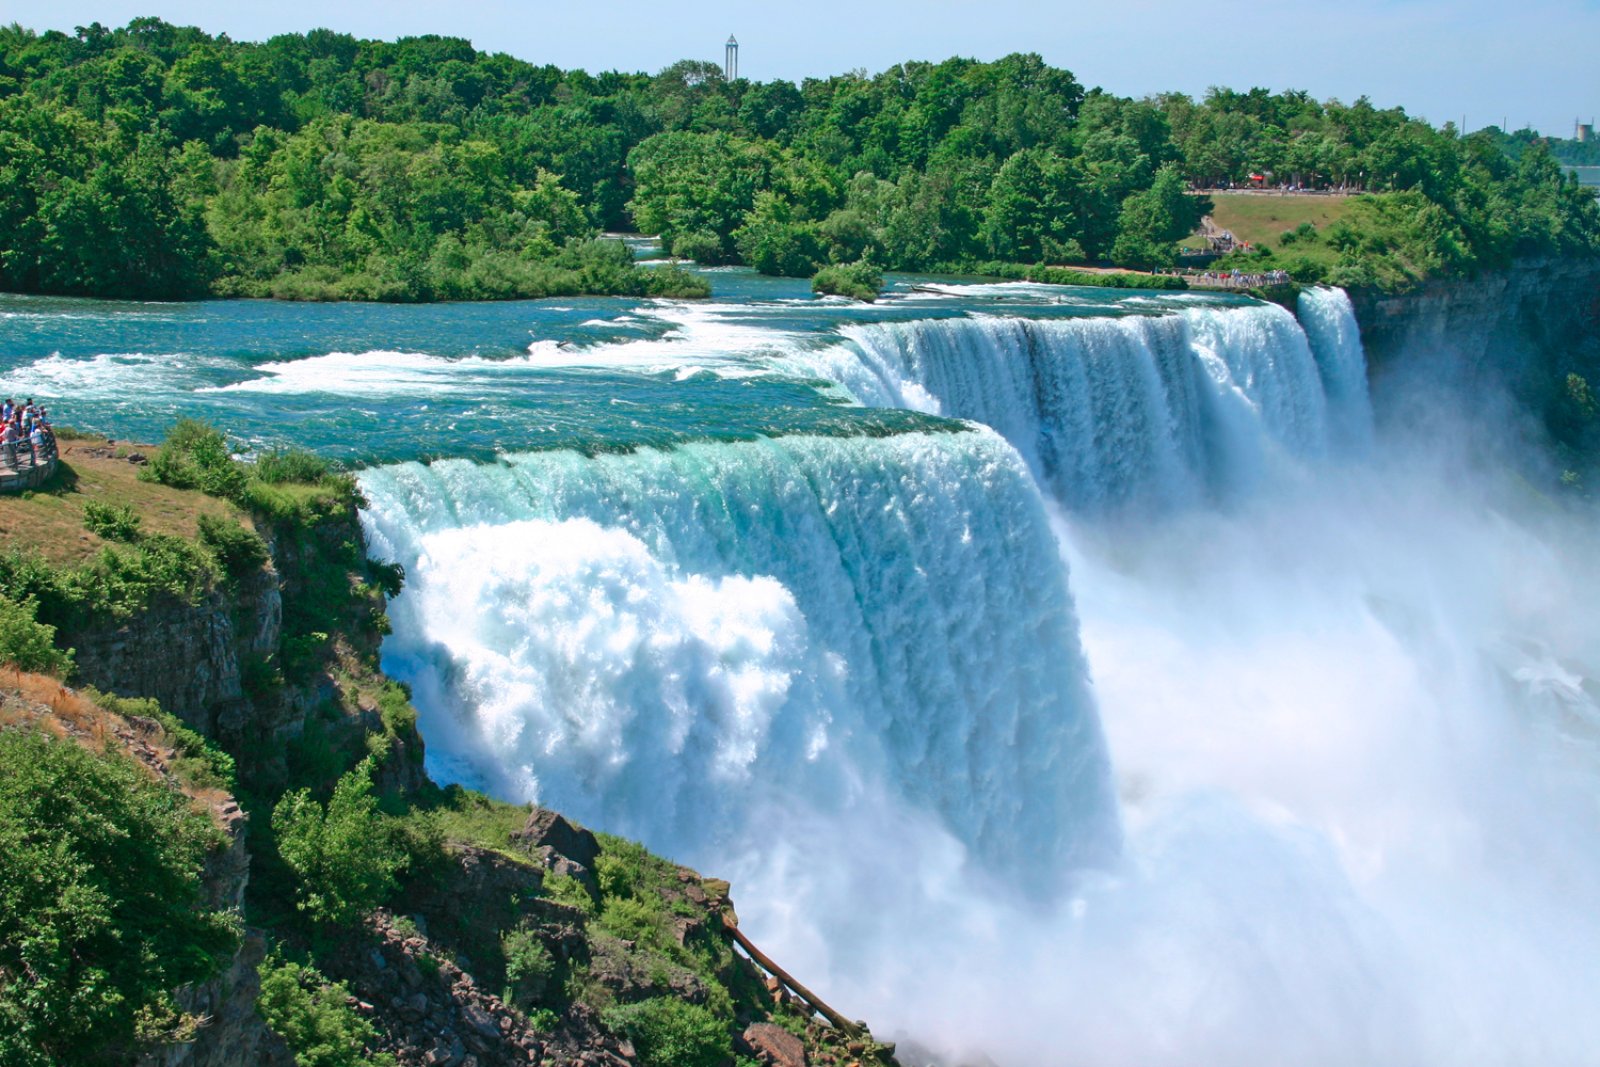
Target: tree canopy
(160,161)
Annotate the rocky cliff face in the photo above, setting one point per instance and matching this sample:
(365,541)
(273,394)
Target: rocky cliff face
(1509,335)
(189,657)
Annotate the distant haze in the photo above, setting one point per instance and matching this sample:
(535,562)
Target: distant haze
(1530,63)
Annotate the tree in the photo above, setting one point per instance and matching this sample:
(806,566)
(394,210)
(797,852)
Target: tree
(345,855)
(101,915)
(1152,221)
(1031,213)
(772,241)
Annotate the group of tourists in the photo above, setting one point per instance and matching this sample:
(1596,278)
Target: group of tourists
(1238,279)
(26,440)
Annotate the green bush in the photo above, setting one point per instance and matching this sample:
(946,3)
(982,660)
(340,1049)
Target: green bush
(120,523)
(668,1032)
(101,914)
(530,969)
(116,583)
(388,578)
(394,705)
(314,1018)
(858,281)
(292,465)
(702,246)
(238,550)
(28,643)
(195,455)
(346,855)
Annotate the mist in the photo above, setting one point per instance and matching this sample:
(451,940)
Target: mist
(1354,737)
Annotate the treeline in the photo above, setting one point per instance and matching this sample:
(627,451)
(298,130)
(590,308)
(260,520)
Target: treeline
(158,160)
(1568,151)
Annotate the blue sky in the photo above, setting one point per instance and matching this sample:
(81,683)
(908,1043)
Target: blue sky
(1529,61)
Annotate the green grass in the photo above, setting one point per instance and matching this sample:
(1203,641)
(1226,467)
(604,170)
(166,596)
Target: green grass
(1262,218)
(51,522)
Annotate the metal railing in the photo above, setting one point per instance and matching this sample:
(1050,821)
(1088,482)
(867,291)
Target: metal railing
(24,464)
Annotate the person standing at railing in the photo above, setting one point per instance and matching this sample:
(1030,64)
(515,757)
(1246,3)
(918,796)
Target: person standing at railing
(39,441)
(8,443)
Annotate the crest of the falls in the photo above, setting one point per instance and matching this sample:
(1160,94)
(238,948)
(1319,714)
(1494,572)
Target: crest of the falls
(1131,410)
(665,640)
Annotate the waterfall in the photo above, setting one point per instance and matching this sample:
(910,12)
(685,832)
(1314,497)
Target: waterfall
(1330,324)
(1133,410)
(663,640)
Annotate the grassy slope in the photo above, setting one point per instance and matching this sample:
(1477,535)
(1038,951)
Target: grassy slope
(50,521)
(1261,218)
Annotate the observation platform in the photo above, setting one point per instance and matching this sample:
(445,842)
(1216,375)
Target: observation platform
(21,468)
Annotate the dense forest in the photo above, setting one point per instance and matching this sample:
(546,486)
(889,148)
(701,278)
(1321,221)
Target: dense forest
(160,161)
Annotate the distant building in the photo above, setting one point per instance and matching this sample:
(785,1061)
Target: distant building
(1582,132)
(730,62)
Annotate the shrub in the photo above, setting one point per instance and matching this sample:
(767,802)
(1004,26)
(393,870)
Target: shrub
(238,550)
(859,281)
(672,1033)
(388,578)
(28,643)
(314,1018)
(195,455)
(394,706)
(119,523)
(530,969)
(101,913)
(292,465)
(702,246)
(345,854)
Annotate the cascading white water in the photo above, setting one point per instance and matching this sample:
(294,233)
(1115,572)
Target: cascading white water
(661,642)
(1155,410)
(1330,324)
(1351,714)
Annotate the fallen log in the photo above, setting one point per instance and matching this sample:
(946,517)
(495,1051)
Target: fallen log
(816,1003)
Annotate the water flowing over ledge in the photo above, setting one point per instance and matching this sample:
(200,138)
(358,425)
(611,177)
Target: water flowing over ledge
(1143,410)
(663,641)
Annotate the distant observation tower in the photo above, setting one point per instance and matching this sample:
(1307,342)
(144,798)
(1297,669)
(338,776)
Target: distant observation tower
(730,61)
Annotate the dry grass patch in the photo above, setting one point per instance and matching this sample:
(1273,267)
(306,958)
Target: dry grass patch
(43,702)
(50,521)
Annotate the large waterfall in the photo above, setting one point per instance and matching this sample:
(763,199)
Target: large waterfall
(1348,810)
(1172,710)
(662,641)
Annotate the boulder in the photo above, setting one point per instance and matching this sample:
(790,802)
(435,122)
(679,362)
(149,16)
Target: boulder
(546,829)
(775,1046)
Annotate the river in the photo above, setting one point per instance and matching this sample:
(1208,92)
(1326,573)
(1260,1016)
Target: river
(1060,675)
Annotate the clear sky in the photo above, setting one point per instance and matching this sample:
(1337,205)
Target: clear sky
(1527,61)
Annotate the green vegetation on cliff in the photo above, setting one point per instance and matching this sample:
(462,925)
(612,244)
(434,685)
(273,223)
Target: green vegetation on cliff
(160,161)
(101,916)
(382,914)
